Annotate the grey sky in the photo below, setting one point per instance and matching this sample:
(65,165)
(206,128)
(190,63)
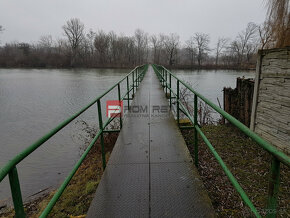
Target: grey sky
(27,20)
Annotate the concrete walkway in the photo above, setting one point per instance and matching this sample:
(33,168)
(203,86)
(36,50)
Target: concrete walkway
(150,172)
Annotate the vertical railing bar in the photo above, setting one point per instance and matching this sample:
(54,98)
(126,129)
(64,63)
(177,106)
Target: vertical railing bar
(163,78)
(16,193)
(170,90)
(138,76)
(128,93)
(135,79)
(162,81)
(177,101)
(166,83)
(133,82)
(102,134)
(274,181)
(195,132)
(119,97)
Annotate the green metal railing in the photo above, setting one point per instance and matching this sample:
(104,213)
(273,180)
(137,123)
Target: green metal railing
(11,170)
(165,77)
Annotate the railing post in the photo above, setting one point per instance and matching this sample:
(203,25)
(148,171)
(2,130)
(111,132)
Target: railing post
(195,132)
(133,82)
(177,101)
(136,79)
(128,92)
(138,75)
(163,80)
(16,193)
(166,83)
(102,134)
(141,75)
(119,97)
(162,77)
(170,90)
(274,181)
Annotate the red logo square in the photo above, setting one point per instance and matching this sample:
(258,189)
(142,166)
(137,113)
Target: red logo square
(114,108)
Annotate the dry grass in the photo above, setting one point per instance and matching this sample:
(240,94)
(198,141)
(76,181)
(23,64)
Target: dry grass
(250,165)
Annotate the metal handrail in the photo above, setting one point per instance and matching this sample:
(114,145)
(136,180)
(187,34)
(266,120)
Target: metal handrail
(278,156)
(10,167)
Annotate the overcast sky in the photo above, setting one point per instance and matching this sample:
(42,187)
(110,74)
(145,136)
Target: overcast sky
(27,20)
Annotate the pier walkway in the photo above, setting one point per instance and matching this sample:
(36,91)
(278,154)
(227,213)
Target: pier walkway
(150,172)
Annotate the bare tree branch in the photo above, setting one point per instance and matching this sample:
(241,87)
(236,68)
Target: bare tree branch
(221,44)
(202,44)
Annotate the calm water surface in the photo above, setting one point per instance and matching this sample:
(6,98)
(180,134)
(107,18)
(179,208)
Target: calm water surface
(34,101)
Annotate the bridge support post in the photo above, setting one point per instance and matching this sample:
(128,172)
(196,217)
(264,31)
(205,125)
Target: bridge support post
(195,132)
(273,188)
(177,101)
(16,193)
(102,134)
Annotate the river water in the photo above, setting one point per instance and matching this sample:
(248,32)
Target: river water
(33,101)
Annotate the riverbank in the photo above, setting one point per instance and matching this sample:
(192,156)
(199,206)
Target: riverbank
(212,67)
(76,198)
(247,161)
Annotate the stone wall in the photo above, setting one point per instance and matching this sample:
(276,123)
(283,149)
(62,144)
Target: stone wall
(238,101)
(271,102)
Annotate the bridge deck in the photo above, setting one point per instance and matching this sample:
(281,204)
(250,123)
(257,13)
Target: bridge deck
(150,172)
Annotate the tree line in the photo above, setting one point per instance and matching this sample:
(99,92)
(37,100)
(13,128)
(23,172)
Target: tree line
(101,49)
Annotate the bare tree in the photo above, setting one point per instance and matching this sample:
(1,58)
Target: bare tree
(91,39)
(279,18)
(113,38)
(191,50)
(202,44)
(157,42)
(265,34)
(171,44)
(244,42)
(141,39)
(248,35)
(74,31)
(101,43)
(45,41)
(221,44)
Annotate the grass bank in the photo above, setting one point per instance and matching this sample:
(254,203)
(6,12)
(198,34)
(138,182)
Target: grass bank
(250,165)
(76,198)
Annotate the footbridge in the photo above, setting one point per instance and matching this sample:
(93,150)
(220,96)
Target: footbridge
(150,172)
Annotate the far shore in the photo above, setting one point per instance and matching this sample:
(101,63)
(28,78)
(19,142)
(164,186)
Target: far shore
(206,67)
